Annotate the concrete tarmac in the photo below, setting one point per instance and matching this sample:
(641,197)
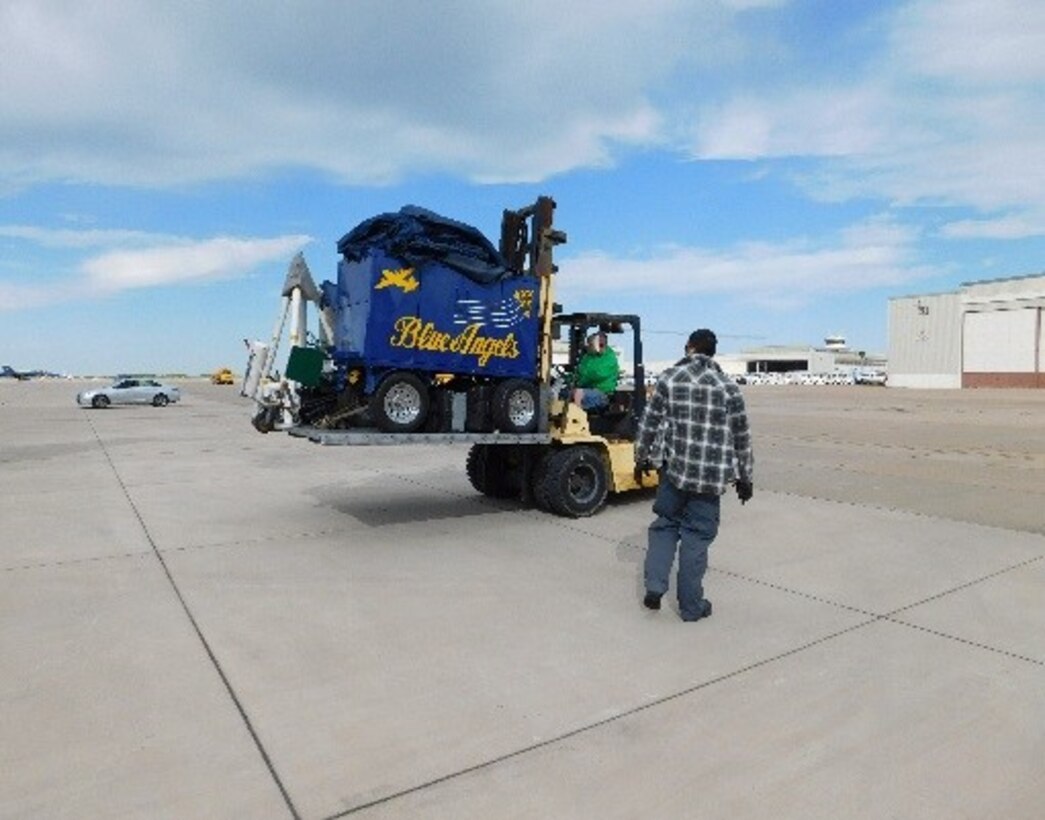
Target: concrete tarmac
(198,621)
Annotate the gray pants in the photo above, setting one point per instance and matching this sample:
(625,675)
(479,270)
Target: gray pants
(688,522)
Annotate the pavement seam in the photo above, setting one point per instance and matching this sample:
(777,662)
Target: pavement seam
(797,593)
(72,562)
(889,616)
(966,641)
(199,633)
(118,556)
(899,510)
(552,741)
(254,542)
(574,526)
(872,618)
(966,585)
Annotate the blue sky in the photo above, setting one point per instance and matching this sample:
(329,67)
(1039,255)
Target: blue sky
(774,170)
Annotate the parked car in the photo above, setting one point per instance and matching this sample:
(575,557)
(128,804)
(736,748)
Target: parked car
(871,375)
(130,391)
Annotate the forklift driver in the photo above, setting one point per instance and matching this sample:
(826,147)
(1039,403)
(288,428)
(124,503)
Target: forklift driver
(597,374)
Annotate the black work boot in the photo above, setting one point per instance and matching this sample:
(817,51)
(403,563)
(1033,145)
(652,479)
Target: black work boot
(705,611)
(651,601)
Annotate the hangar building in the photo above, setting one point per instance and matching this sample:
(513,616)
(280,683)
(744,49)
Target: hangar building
(986,334)
(833,357)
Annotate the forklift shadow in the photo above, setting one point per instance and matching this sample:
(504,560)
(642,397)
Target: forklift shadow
(424,506)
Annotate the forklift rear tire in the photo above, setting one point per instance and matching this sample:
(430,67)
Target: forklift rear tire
(400,403)
(491,472)
(515,406)
(539,485)
(575,481)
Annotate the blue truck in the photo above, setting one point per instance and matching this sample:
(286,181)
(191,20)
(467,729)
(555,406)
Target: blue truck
(427,328)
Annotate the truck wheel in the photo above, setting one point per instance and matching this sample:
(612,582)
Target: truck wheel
(400,403)
(515,406)
(491,471)
(575,481)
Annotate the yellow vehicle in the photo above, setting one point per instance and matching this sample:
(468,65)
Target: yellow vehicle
(223,376)
(590,453)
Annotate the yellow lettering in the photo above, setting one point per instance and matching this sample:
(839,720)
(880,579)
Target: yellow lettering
(406,328)
(414,334)
(432,339)
(463,341)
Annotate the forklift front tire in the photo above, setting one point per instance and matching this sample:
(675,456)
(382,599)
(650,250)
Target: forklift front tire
(575,481)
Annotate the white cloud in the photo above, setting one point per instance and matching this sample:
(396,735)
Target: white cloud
(134,260)
(972,42)
(825,123)
(929,101)
(18,297)
(218,258)
(1007,227)
(951,110)
(75,238)
(743,5)
(777,275)
(132,92)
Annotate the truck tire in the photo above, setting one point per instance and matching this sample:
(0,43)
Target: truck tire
(491,472)
(515,406)
(400,403)
(575,481)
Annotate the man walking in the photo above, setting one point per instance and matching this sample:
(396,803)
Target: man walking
(695,431)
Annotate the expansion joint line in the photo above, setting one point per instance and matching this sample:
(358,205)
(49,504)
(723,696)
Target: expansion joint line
(891,615)
(590,727)
(198,630)
(967,584)
(797,593)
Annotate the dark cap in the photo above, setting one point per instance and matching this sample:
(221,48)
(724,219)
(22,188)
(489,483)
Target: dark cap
(702,341)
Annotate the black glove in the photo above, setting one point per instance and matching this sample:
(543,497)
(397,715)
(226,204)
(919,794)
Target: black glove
(642,467)
(744,491)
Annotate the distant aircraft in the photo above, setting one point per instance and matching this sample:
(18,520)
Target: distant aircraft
(8,372)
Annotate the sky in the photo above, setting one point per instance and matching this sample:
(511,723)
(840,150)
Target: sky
(775,170)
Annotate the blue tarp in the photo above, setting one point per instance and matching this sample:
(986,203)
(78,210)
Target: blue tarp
(417,236)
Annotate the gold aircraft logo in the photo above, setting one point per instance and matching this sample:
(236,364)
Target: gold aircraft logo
(401,278)
(524,299)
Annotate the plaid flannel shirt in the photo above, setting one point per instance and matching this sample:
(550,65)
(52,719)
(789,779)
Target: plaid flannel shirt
(695,426)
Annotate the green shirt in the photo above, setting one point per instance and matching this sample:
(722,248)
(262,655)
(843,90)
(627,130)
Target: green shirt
(598,370)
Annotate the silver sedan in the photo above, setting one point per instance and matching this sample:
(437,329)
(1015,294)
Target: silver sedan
(130,391)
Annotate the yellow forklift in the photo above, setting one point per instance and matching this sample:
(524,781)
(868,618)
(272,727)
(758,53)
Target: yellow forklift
(590,454)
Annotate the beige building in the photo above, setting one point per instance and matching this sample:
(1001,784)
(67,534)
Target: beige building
(986,334)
